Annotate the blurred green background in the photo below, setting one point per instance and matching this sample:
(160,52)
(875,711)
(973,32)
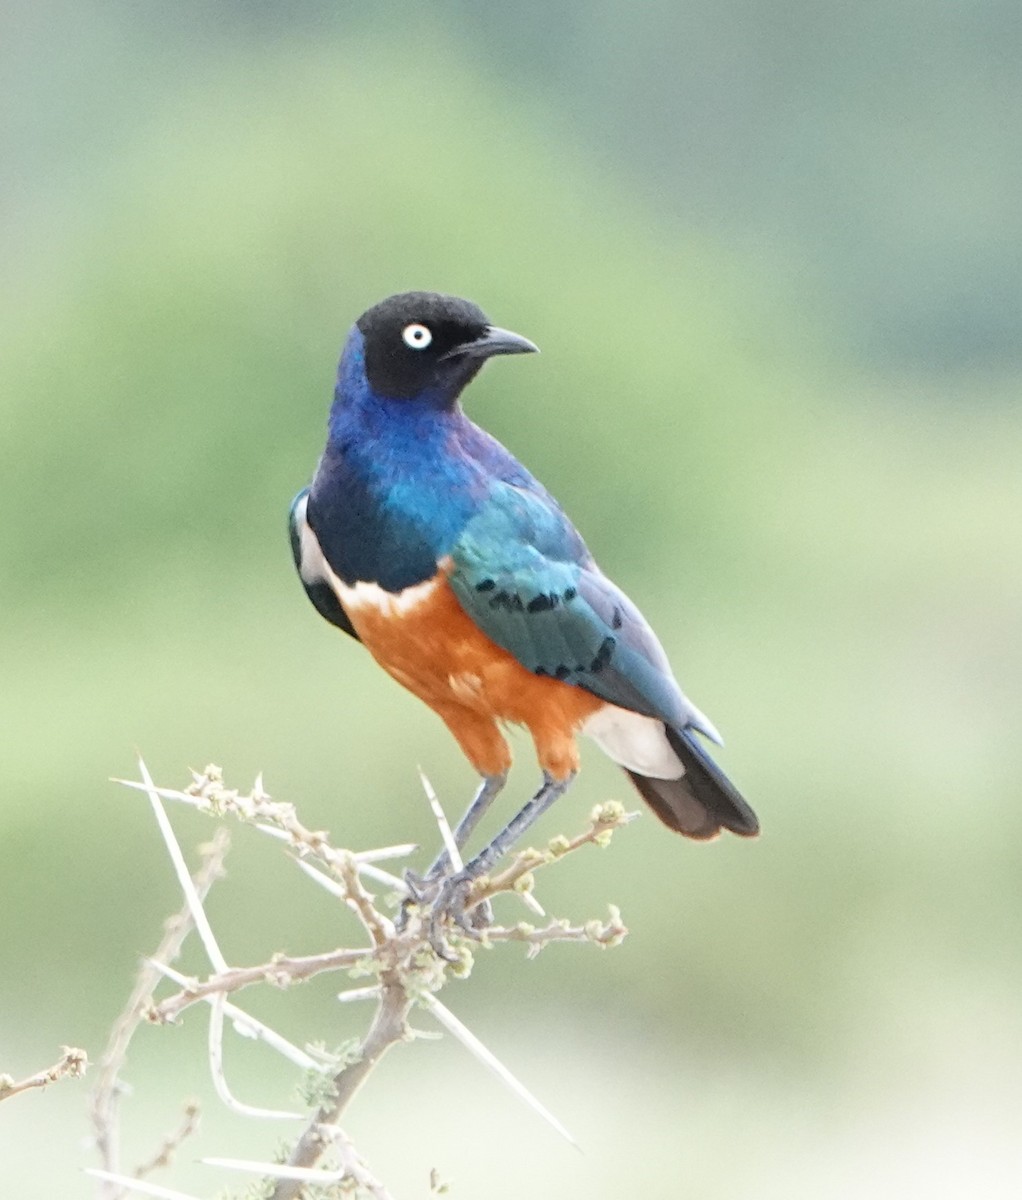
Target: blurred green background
(770,252)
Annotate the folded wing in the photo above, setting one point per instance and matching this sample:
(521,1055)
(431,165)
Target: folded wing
(524,575)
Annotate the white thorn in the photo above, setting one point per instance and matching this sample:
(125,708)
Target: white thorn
(198,913)
(138,1185)
(324,880)
(277,1170)
(216,1067)
(383,852)
(164,793)
(468,1039)
(362,993)
(335,889)
(253,1027)
(383,877)
(442,823)
(272,831)
(363,856)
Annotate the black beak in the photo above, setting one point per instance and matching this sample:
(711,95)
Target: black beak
(493,341)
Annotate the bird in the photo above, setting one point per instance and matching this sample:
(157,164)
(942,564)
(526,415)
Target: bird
(426,540)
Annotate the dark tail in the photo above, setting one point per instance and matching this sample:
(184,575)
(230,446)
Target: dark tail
(703,801)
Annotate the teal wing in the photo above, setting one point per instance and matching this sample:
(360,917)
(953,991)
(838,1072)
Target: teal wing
(524,575)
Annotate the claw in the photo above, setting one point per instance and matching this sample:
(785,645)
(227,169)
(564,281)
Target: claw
(422,891)
(481,916)
(450,904)
(440,945)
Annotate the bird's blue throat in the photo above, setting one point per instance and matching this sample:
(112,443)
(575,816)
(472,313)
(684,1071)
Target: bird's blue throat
(392,491)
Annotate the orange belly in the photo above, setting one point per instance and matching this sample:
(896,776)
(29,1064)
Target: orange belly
(435,650)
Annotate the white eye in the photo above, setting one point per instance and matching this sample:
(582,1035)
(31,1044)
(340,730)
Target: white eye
(417,337)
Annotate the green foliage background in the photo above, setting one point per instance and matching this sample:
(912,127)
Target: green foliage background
(827,542)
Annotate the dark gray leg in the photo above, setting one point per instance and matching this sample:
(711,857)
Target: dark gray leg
(488,792)
(423,888)
(451,900)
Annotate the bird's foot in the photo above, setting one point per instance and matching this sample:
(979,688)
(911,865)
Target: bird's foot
(451,906)
(444,896)
(423,889)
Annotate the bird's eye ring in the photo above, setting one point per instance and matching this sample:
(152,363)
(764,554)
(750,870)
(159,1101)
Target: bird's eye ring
(416,336)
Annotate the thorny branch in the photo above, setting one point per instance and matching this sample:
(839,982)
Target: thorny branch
(388,1027)
(400,961)
(72,1064)
(281,971)
(103,1102)
(354,1167)
(166,1150)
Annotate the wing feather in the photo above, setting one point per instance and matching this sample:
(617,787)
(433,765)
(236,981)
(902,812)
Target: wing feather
(524,575)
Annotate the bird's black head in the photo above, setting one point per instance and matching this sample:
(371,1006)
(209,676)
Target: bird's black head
(423,342)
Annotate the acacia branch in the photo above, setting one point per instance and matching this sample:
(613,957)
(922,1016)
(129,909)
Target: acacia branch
(72,1064)
(604,819)
(389,1026)
(601,933)
(281,971)
(398,957)
(171,1143)
(103,1103)
(353,1165)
